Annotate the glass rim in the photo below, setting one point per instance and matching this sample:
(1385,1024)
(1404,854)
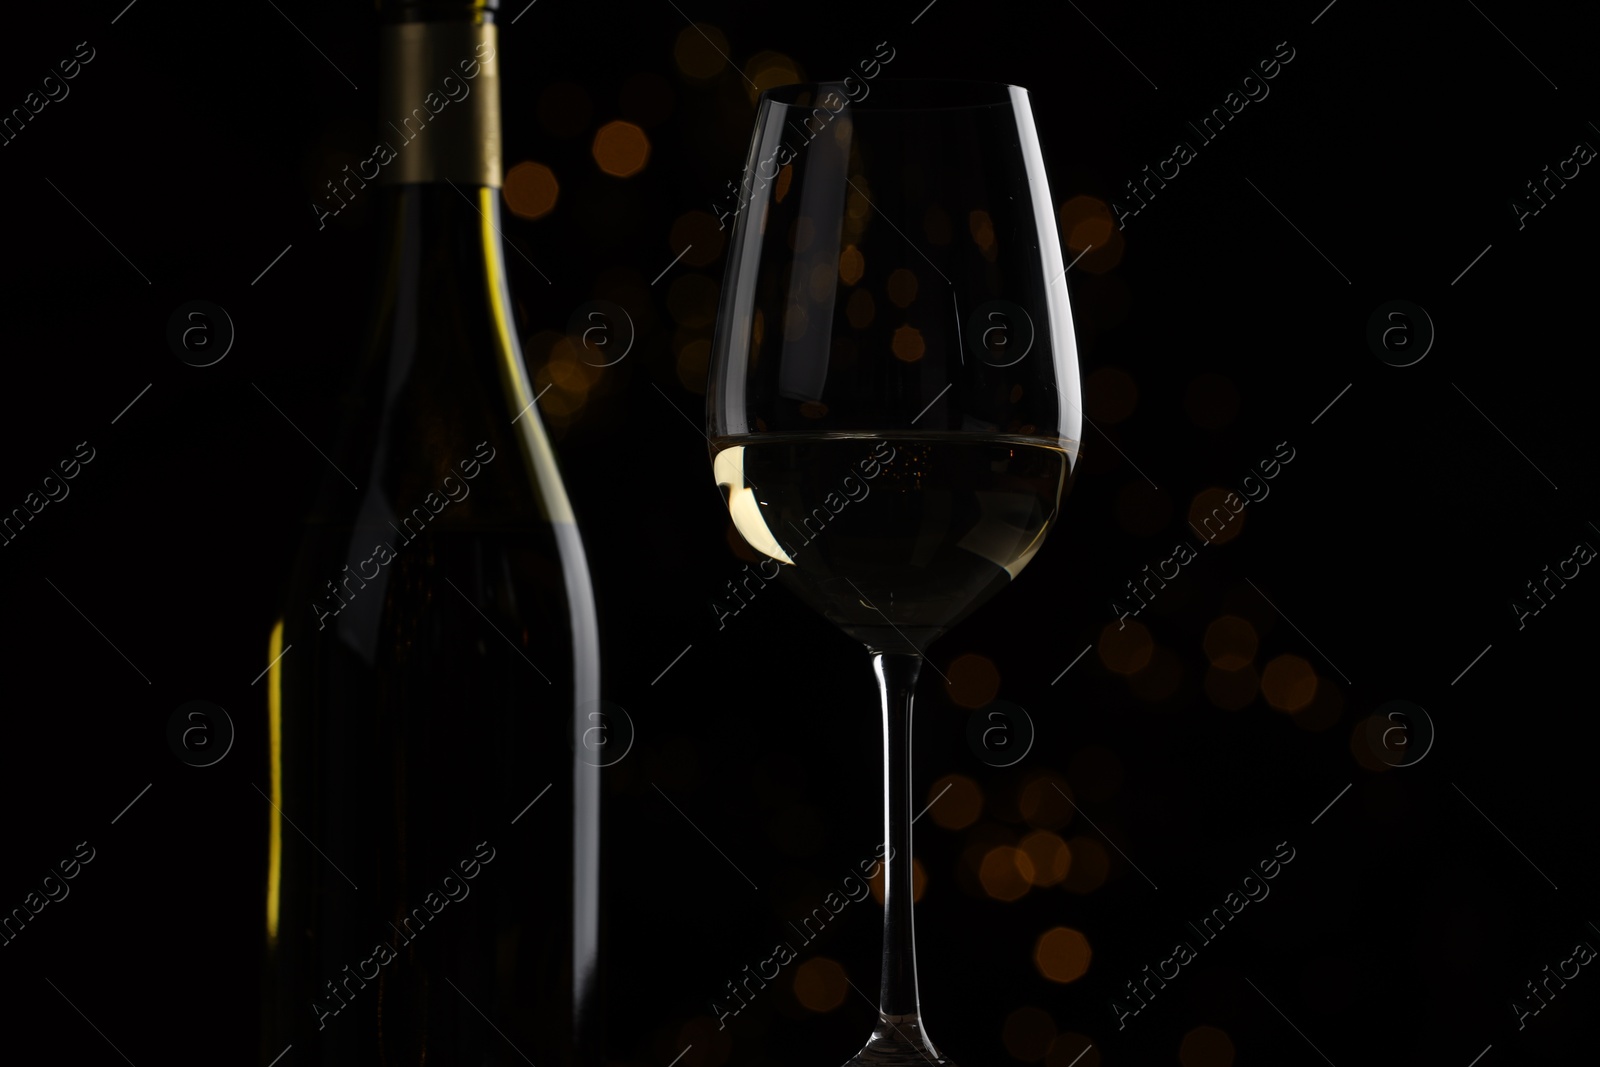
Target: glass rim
(932,94)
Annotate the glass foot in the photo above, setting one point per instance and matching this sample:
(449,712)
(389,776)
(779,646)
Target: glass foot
(899,1042)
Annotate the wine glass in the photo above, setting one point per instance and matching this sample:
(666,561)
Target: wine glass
(893,402)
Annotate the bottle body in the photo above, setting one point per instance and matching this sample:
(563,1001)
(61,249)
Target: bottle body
(433,846)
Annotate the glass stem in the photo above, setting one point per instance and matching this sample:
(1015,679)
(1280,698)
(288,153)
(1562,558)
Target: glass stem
(897,681)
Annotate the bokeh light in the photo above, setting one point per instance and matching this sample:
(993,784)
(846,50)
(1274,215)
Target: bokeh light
(537,351)
(1125,646)
(907,344)
(712,1041)
(1062,954)
(1027,1034)
(697,232)
(1230,642)
(974,680)
(959,803)
(768,70)
(852,264)
(701,51)
(1048,857)
(556,402)
(824,280)
(919,881)
(693,363)
(1288,683)
(569,377)
(1006,873)
(1087,224)
(621,149)
(530,190)
(819,984)
(902,287)
(983,229)
(1206,1046)
(795,321)
(568,372)
(856,204)
(980,838)
(1217,515)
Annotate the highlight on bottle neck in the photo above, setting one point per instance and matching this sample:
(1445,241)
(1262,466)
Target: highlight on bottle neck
(439,118)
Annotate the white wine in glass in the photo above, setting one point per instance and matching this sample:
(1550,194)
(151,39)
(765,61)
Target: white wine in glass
(893,405)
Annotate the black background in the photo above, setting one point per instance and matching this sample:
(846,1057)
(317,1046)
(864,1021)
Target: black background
(1395,541)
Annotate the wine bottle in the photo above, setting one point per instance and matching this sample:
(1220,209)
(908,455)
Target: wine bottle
(433,836)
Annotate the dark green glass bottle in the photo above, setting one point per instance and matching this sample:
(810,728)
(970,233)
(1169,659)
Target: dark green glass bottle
(433,867)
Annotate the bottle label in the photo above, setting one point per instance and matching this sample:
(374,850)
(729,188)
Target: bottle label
(441,103)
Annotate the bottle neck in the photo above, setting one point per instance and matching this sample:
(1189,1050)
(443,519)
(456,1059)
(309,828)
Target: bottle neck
(439,115)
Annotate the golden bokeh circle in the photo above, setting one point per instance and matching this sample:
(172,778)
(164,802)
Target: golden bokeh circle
(1006,873)
(1062,954)
(1288,683)
(955,802)
(907,344)
(1125,646)
(530,190)
(820,985)
(1206,1046)
(974,680)
(1028,1033)
(621,149)
(700,51)
(1049,857)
